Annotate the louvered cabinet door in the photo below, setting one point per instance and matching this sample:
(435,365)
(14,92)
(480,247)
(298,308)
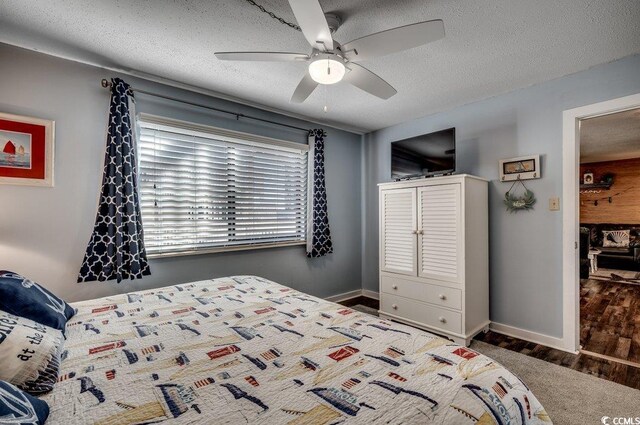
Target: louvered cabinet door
(398,231)
(439,232)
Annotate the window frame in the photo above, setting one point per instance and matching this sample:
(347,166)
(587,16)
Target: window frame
(229,136)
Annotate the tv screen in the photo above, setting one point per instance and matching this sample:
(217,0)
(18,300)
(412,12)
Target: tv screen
(426,155)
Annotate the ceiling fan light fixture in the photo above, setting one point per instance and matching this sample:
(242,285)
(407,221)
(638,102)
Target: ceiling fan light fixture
(330,60)
(327,70)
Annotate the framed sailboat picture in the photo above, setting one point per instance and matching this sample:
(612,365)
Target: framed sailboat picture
(520,168)
(26,150)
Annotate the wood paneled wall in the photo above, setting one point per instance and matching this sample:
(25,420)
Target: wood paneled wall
(625,208)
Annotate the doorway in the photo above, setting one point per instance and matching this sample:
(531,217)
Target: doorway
(572,122)
(609,244)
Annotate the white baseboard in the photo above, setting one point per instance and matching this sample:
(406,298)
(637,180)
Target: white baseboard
(353,294)
(370,294)
(538,338)
(344,296)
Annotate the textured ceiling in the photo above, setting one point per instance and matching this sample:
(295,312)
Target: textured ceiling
(491,47)
(610,137)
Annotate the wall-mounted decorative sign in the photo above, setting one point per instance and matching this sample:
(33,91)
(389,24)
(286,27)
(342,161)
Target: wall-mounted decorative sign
(26,150)
(521,168)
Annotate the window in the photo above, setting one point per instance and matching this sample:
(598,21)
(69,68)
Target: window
(205,189)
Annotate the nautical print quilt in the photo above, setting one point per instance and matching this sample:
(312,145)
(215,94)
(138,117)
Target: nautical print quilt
(246,350)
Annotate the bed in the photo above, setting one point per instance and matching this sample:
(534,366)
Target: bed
(247,350)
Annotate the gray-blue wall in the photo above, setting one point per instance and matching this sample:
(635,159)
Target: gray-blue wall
(44,231)
(525,248)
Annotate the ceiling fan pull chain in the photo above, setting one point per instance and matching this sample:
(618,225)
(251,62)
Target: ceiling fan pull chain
(273,15)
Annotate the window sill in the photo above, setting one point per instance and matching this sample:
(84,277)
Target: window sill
(223,249)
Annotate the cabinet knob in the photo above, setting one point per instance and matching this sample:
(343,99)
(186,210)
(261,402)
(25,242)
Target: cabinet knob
(443,297)
(394,286)
(442,320)
(421,232)
(394,306)
(415,232)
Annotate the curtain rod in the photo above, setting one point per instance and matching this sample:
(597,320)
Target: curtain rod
(105,83)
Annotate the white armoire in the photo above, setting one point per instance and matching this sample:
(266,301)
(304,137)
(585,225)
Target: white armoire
(434,255)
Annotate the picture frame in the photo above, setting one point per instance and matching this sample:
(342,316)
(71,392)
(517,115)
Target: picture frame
(520,168)
(26,150)
(587,178)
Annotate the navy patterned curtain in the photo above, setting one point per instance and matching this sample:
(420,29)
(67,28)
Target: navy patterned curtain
(116,249)
(318,232)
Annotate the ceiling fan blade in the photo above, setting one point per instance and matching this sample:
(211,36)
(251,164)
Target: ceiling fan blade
(394,40)
(262,56)
(306,86)
(366,80)
(312,22)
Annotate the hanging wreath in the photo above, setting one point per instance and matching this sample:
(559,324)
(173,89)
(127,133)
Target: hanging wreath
(516,203)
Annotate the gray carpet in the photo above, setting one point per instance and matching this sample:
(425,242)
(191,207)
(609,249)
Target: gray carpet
(570,397)
(365,309)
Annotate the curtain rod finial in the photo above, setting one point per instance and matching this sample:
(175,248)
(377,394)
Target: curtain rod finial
(105,83)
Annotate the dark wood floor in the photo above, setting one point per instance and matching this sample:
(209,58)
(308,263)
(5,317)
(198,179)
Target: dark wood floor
(366,301)
(603,368)
(610,318)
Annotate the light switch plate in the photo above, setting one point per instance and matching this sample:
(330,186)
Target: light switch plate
(554,204)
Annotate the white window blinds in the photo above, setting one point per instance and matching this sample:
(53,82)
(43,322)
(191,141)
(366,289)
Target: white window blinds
(208,189)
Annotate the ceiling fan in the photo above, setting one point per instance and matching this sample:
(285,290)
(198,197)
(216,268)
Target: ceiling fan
(331,62)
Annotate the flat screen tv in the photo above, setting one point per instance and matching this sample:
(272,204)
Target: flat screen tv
(428,155)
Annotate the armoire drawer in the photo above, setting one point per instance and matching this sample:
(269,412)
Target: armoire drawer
(434,294)
(420,312)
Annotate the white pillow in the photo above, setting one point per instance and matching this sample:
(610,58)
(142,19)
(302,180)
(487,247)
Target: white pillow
(615,238)
(29,353)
